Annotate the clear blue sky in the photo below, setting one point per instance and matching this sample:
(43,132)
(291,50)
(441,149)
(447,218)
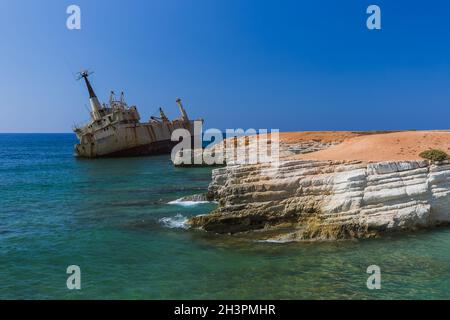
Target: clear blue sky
(292,65)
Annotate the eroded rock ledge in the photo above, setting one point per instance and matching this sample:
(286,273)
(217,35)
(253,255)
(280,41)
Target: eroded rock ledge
(309,199)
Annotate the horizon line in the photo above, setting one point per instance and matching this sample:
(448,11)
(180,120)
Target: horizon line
(330,130)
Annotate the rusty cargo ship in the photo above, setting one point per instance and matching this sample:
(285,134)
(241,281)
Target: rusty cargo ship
(115,129)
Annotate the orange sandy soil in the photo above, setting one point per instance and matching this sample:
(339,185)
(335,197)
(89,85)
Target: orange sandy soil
(405,145)
(325,136)
(306,136)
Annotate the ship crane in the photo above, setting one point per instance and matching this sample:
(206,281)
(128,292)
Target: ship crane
(184,116)
(93,100)
(162,116)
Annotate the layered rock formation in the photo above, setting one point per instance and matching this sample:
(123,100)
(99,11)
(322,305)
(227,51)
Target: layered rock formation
(305,199)
(310,199)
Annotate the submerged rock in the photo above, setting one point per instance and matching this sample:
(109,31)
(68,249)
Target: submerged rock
(201,197)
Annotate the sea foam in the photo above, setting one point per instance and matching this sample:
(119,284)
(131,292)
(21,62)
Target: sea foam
(274,241)
(187,203)
(176,222)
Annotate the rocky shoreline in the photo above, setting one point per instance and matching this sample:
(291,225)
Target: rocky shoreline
(303,199)
(328,200)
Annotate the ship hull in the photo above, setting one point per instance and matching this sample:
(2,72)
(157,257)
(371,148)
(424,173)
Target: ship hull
(150,149)
(131,141)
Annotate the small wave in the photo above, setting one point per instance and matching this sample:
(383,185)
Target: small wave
(275,241)
(188,203)
(176,222)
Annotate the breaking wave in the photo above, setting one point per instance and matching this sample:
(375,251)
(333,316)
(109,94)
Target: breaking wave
(275,241)
(176,222)
(187,203)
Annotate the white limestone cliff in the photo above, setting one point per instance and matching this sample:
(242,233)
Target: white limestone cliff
(308,199)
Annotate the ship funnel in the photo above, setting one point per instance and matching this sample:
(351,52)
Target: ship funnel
(183,112)
(95,104)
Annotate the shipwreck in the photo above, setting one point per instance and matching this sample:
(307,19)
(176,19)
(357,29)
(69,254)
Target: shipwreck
(115,129)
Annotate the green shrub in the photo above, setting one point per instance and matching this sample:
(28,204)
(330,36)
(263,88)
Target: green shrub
(434,155)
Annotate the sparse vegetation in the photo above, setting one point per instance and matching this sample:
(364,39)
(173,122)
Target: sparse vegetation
(434,155)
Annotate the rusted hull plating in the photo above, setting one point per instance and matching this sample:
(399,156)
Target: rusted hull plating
(131,140)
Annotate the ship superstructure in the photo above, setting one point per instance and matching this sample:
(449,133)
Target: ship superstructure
(115,129)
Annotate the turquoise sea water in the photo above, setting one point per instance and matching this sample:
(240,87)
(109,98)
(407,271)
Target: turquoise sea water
(111,217)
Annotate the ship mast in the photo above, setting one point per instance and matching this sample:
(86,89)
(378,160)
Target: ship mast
(95,104)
